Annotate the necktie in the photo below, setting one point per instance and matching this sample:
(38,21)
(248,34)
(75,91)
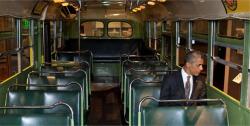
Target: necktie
(187,87)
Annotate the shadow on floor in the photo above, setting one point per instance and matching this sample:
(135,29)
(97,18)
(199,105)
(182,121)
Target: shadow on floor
(105,107)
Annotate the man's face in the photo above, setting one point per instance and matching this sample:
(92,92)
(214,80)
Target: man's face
(196,67)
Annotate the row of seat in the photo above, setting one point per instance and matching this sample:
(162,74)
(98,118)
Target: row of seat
(133,67)
(27,118)
(66,82)
(141,82)
(144,109)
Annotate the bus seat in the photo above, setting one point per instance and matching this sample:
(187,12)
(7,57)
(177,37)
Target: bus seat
(203,115)
(61,78)
(36,119)
(138,79)
(113,47)
(139,90)
(41,97)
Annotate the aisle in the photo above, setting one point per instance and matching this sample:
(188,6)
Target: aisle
(105,106)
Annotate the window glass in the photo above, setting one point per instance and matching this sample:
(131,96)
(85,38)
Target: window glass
(169,25)
(183,27)
(8,47)
(200,27)
(25,58)
(167,46)
(225,76)
(181,51)
(13,68)
(158,37)
(6,24)
(231,28)
(119,29)
(229,54)
(92,28)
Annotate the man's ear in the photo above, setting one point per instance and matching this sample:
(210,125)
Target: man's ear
(188,64)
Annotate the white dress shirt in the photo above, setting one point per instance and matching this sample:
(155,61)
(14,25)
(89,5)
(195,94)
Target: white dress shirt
(184,78)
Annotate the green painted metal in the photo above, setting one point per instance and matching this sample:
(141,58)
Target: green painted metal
(38,45)
(174,38)
(238,114)
(211,39)
(231,41)
(244,85)
(200,36)
(6,35)
(163,46)
(106,69)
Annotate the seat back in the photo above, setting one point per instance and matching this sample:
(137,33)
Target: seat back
(204,115)
(139,67)
(36,119)
(41,97)
(60,78)
(139,90)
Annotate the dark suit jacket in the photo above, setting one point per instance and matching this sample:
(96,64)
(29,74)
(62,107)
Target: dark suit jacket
(172,87)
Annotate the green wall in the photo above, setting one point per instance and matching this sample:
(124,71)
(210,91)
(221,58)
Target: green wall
(238,115)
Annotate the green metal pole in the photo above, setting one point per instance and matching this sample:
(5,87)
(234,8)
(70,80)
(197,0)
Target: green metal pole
(244,97)
(174,38)
(211,40)
(37,46)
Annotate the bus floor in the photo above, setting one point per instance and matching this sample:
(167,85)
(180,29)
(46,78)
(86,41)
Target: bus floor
(105,105)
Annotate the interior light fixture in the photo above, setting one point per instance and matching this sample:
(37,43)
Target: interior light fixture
(105,2)
(162,1)
(65,4)
(142,7)
(134,10)
(151,3)
(59,1)
(116,14)
(138,8)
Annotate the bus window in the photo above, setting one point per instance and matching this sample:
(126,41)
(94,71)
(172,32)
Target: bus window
(181,51)
(231,28)
(226,70)
(200,27)
(183,27)
(8,45)
(182,45)
(119,29)
(166,38)
(158,37)
(202,47)
(92,28)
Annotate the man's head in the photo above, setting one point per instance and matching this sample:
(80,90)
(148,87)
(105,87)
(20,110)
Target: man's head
(193,63)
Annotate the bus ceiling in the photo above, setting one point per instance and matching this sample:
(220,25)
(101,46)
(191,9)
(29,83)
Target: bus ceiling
(93,9)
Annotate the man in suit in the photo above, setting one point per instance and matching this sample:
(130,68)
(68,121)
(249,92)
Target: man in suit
(185,83)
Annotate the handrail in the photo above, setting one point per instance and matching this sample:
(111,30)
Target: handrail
(59,72)
(61,62)
(179,101)
(138,61)
(46,85)
(41,107)
(148,70)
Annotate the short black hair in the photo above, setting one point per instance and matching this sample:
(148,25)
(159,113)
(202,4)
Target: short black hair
(190,56)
